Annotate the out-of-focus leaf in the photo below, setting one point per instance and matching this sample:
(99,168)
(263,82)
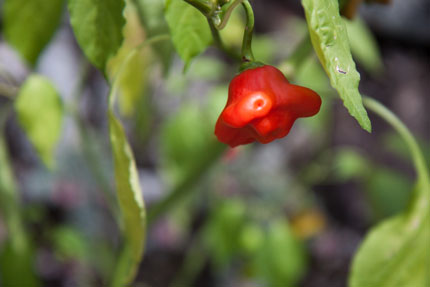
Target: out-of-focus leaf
(16,254)
(281,261)
(185,138)
(98,28)
(251,238)
(70,244)
(311,75)
(396,252)
(189,29)
(363,45)
(155,24)
(132,80)
(40,114)
(350,164)
(29,25)
(330,41)
(224,230)
(206,68)
(189,135)
(388,191)
(263,48)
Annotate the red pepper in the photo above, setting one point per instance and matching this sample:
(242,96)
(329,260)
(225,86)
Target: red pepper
(262,106)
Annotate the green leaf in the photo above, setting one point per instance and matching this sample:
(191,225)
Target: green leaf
(188,135)
(330,41)
(223,231)
(128,191)
(189,29)
(29,25)
(98,28)
(363,45)
(396,252)
(281,261)
(40,114)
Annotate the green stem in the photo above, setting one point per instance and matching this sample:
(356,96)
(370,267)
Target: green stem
(247,55)
(394,121)
(226,11)
(204,6)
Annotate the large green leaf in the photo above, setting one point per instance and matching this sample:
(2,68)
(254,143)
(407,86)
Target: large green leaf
(189,29)
(98,28)
(397,251)
(40,114)
(29,25)
(330,41)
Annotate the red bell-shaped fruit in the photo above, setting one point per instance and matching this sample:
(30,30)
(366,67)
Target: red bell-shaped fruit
(262,106)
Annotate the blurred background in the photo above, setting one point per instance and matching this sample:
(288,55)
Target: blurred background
(290,213)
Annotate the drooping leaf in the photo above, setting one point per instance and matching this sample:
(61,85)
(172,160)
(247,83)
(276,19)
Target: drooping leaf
(40,114)
(98,28)
(189,29)
(29,25)
(396,252)
(363,45)
(128,191)
(330,41)
(130,200)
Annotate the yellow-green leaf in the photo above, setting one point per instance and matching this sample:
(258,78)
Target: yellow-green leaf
(40,114)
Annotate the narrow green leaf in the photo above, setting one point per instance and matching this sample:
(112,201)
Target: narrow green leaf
(363,45)
(98,28)
(330,41)
(128,190)
(40,114)
(396,252)
(29,25)
(189,29)
(130,198)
